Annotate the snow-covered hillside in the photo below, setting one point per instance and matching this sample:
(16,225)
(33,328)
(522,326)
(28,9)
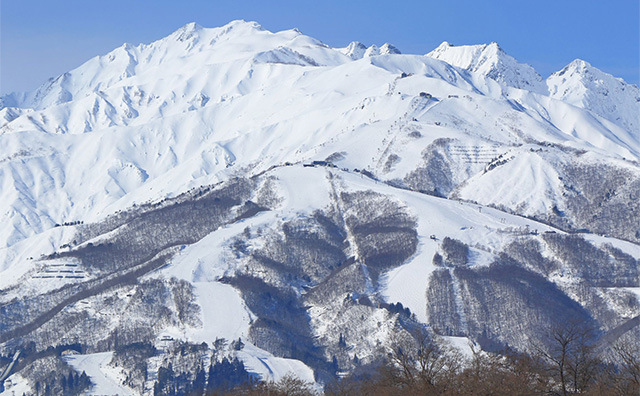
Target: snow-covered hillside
(268,188)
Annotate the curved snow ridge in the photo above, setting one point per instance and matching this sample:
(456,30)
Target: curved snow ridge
(527,182)
(284,56)
(271,368)
(592,129)
(571,125)
(8,114)
(409,65)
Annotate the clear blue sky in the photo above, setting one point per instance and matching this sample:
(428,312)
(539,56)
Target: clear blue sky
(44,38)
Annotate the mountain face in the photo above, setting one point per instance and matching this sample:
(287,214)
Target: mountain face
(256,202)
(582,85)
(491,61)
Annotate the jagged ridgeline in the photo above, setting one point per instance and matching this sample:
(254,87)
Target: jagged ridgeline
(226,208)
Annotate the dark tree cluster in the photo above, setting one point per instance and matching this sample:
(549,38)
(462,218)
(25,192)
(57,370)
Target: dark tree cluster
(310,254)
(282,326)
(141,236)
(609,267)
(132,359)
(456,253)
(569,365)
(50,375)
(220,378)
(384,232)
(73,384)
(435,177)
(601,198)
(443,312)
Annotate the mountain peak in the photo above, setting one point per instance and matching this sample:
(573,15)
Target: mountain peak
(189,27)
(130,60)
(239,26)
(580,63)
(356,50)
(186,32)
(444,45)
(241,23)
(577,65)
(388,49)
(492,61)
(583,85)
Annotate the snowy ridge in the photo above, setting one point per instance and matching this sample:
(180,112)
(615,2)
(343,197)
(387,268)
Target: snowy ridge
(117,67)
(491,61)
(356,50)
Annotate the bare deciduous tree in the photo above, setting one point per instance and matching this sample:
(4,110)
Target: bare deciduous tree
(570,354)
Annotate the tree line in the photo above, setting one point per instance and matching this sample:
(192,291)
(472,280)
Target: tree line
(573,363)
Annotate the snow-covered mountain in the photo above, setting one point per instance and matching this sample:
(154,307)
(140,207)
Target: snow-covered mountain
(491,61)
(582,85)
(578,84)
(305,196)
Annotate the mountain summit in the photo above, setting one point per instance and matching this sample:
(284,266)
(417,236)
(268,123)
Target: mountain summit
(587,87)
